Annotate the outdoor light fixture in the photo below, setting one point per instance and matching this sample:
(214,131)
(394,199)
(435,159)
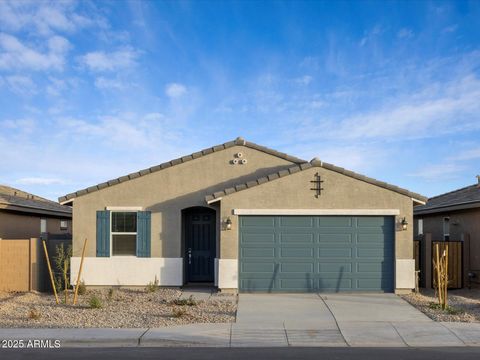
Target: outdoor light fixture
(228,224)
(404,224)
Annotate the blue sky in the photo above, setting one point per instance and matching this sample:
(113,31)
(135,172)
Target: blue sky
(90,91)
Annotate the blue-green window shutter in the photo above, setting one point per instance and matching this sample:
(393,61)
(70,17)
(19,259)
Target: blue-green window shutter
(143,233)
(103,233)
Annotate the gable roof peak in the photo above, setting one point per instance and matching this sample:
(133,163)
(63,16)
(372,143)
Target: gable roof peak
(316,162)
(240,141)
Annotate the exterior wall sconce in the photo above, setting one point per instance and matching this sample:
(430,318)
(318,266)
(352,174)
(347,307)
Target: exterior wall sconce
(228,224)
(404,223)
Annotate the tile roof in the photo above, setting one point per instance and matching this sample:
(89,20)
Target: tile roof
(15,199)
(237,142)
(307,165)
(467,197)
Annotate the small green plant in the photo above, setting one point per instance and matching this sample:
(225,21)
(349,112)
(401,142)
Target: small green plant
(185,302)
(111,293)
(434,306)
(178,312)
(82,289)
(34,314)
(95,302)
(449,309)
(152,286)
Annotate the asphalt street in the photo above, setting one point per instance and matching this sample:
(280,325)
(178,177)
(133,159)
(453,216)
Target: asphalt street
(463,353)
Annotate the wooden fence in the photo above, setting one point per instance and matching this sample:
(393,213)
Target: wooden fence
(454,262)
(21,265)
(423,253)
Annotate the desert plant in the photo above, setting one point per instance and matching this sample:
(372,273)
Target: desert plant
(95,302)
(111,293)
(82,289)
(178,312)
(440,265)
(185,302)
(152,286)
(34,314)
(61,260)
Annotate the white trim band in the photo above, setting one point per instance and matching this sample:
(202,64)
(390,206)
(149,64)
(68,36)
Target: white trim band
(124,208)
(316,211)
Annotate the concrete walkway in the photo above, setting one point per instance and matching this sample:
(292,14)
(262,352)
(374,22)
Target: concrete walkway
(373,320)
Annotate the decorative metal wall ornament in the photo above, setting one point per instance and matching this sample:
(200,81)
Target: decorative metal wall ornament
(317,185)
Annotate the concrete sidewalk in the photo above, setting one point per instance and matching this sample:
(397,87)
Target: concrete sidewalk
(355,334)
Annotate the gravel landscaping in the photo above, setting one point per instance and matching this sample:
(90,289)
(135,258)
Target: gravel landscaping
(464,305)
(119,308)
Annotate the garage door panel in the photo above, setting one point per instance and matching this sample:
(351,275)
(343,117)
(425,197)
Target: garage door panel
(334,267)
(336,238)
(371,238)
(258,267)
(370,252)
(302,284)
(257,221)
(297,267)
(256,284)
(316,253)
(334,284)
(371,267)
(295,252)
(258,252)
(307,238)
(256,238)
(335,252)
(334,221)
(297,221)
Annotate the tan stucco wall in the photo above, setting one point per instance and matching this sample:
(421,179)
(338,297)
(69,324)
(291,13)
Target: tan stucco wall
(340,192)
(15,225)
(166,192)
(467,221)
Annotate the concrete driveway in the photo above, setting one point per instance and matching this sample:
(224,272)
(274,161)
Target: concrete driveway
(335,320)
(324,310)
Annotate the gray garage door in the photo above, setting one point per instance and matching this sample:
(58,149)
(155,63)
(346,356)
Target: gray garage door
(316,253)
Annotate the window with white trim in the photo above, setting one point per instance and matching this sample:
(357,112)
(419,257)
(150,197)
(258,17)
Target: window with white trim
(420,227)
(446,228)
(63,225)
(43,226)
(124,233)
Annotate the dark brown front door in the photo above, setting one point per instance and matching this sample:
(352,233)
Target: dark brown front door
(199,227)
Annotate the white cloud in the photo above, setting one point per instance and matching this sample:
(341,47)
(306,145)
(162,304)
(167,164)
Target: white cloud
(471,154)
(175,90)
(39,181)
(304,80)
(44,17)
(21,85)
(432,111)
(105,61)
(17,55)
(105,83)
(446,171)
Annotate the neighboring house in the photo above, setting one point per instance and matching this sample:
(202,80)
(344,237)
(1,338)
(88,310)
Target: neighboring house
(23,215)
(242,216)
(25,219)
(454,216)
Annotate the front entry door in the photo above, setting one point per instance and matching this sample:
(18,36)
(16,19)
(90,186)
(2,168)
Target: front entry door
(200,244)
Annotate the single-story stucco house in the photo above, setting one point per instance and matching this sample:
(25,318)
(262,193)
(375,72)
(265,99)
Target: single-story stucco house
(241,216)
(454,216)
